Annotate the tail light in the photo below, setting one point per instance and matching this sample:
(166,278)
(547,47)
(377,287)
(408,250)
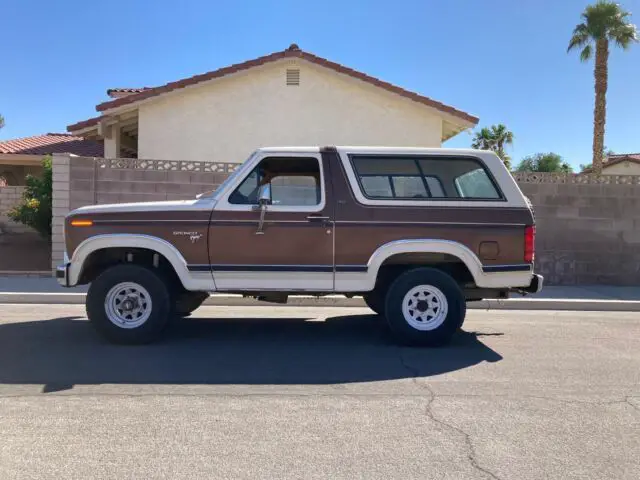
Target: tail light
(529,243)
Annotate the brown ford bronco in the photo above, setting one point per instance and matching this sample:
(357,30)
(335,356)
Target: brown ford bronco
(416,232)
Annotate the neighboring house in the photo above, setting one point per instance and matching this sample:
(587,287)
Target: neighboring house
(620,164)
(290,97)
(23,156)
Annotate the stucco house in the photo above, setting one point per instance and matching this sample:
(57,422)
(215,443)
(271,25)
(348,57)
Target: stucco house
(291,97)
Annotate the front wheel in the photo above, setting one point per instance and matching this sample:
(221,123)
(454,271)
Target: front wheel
(129,304)
(424,306)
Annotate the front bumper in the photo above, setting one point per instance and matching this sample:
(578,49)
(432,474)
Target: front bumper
(62,274)
(536,284)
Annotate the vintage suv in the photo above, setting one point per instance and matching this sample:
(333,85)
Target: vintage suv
(417,232)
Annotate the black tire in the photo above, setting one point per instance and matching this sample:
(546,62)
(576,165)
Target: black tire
(443,327)
(160,312)
(464,314)
(187,302)
(375,301)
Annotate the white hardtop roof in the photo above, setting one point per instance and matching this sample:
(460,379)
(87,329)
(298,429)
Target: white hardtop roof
(374,150)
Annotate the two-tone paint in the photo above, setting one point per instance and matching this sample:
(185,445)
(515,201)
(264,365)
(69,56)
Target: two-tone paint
(336,246)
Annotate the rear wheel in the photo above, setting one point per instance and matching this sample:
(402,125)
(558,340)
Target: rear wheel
(129,304)
(424,306)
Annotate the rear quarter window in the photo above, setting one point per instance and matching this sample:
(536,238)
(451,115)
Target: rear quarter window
(420,177)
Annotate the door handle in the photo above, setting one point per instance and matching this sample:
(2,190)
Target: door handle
(318,218)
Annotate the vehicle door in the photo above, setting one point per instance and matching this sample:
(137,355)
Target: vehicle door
(282,241)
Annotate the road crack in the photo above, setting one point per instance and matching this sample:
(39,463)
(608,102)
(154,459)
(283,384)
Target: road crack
(472,455)
(628,401)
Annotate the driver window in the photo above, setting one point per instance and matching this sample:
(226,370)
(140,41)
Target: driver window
(294,182)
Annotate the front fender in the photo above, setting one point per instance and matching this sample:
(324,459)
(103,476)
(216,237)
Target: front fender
(98,242)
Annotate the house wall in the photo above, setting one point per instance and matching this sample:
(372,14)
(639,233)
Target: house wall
(225,120)
(588,226)
(623,168)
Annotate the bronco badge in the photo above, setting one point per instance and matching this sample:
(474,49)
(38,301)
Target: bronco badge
(193,236)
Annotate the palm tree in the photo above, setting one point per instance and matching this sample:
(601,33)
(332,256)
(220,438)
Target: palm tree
(483,140)
(603,22)
(496,139)
(502,137)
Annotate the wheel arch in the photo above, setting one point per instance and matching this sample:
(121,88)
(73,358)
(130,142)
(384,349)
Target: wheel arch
(456,250)
(134,241)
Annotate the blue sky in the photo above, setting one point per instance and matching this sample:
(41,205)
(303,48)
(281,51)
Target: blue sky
(502,60)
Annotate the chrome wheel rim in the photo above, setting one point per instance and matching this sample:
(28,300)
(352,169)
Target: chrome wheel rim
(128,305)
(425,307)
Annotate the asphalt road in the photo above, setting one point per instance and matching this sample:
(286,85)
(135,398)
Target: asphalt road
(284,392)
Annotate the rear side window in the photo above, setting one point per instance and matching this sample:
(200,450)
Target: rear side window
(443,178)
(475,184)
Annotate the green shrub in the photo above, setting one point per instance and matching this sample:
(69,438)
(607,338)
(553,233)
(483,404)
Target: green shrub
(35,208)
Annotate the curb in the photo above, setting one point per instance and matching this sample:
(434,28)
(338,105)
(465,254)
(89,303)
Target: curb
(58,298)
(26,274)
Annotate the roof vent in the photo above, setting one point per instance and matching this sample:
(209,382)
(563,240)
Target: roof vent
(293,76)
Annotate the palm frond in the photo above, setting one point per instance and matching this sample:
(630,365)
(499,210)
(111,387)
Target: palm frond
(586,52)
(603,20)
(624,35)
(580,38)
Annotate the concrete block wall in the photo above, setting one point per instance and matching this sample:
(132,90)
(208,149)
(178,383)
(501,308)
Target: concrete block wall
(80,181)
(9,198)
(588,230)
(60,205)
(588,227)
(22,249)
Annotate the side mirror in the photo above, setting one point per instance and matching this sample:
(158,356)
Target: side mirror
(264,194)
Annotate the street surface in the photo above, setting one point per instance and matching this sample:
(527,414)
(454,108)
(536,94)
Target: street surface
(285,392)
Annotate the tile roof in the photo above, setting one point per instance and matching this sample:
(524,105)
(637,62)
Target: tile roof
(123,92)
(292,52)
(83,124)
(623,156)
(52,143)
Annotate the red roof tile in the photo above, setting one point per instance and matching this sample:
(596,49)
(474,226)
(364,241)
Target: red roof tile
(623,156)
(127,90)
(83,124)
(123,92)
(292,51)
(52,143)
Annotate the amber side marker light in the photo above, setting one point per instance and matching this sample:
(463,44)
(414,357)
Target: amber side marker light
(81,223)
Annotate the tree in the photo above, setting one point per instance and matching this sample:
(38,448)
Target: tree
(495,138)
(1,121)
(544,162)
(35,208)
(603,22)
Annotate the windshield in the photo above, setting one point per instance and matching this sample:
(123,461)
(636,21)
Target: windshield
(223,185)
